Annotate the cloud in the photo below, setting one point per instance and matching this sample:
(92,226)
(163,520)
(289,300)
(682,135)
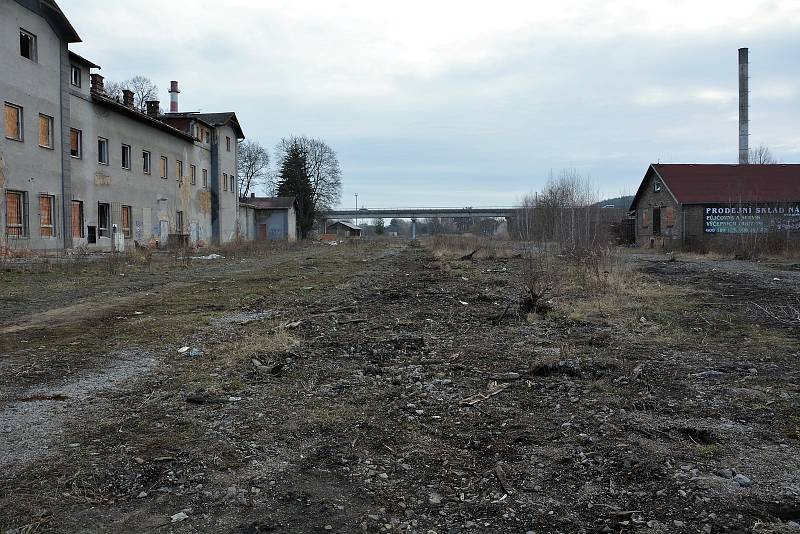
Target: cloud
(468,98)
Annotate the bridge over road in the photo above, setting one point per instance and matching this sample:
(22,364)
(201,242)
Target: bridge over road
(416,213)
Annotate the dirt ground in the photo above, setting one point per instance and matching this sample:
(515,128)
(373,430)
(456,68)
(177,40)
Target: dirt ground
(385,388)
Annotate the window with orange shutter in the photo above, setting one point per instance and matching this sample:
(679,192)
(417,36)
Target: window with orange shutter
(15,214)
(77,218)
(46,216)
(126,221)
(13,122)
(45,131)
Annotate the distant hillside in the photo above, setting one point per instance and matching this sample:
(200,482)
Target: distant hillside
(618,202)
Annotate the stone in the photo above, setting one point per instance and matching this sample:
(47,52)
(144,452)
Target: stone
(177,518)
(743,480)
(725,473)
(794,525)
(678,524)
(434,498)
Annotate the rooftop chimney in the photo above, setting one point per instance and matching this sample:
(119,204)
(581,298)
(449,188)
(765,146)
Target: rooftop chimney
(127,98)
(97,84)
(744,107)
(153,108)
(173,96)
(252,195)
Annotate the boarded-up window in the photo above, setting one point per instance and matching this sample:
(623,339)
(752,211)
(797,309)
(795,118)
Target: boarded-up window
(205,177)
(46,216)
(179,170)
(645,217)
(45,131)
(13,122)
(75,143)
(15,214)
(77,218)
(126,221)
(193,174)
(669,216)
(145,161)
(163,167)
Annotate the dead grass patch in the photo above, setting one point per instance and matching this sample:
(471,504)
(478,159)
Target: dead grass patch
(456,247)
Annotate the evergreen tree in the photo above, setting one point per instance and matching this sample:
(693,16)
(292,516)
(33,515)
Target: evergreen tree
(293,181)
(379,227)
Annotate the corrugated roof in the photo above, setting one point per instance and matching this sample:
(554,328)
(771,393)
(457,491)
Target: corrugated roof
(269,203)
(715,183)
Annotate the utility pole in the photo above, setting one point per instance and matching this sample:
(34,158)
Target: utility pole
(356,209)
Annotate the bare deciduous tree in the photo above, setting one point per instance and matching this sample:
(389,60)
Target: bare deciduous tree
(252,166)
(322,167)
(143,90)
(761,155)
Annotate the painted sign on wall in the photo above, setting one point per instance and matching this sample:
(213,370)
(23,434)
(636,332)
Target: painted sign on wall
(751,218)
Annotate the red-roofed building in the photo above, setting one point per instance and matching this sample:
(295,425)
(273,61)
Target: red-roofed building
(687,203)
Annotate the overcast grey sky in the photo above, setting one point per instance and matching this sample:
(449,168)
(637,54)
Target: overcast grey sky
(459,102)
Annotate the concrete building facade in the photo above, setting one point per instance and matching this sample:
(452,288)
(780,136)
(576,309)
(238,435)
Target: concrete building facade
(78,166)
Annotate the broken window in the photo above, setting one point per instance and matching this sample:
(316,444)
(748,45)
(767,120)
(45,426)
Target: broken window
(126,221)
(75,143)
(193,174)
(46,216)
(179,170)
(16,214)
(205,178)
(228,143)
(13,120)
(145,161)
(224,181)
(27,45)
(103,219)
(126,157)
(45,131)
(102,150)
(77,218)
(233,183)
(163,167)
(75,76)
(657,186)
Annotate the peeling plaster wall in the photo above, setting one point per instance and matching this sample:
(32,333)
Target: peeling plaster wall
(154,201)
(36,87)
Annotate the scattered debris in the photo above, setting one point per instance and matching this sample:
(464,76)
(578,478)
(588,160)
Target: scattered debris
(209,257)
(494,389)
(177,518)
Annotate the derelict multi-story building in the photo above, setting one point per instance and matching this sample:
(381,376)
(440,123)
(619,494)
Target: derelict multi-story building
(77,165)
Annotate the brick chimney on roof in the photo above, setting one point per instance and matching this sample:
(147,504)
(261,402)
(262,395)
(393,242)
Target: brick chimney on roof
(153,108)
(127,98)
(97,84)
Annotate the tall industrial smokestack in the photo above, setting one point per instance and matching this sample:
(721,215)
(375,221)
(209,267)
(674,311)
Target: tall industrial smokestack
(744,107)
(173,96)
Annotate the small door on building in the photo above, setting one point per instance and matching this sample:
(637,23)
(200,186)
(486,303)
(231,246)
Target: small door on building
(656,221)
(91,235)
(262,232)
